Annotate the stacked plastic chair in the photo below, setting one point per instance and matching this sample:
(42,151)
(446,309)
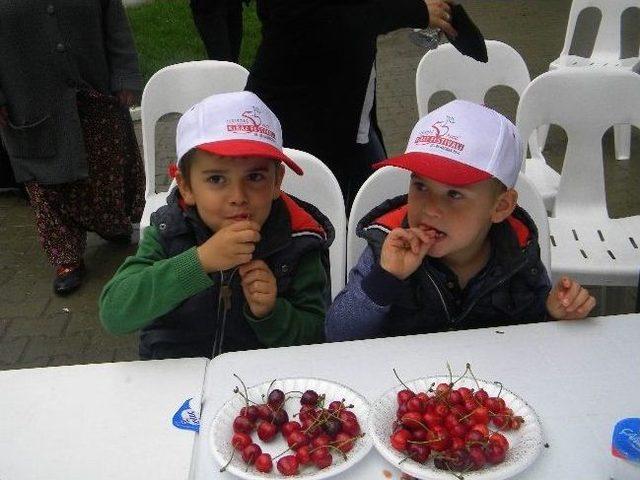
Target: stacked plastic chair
(585,242)
(446,69)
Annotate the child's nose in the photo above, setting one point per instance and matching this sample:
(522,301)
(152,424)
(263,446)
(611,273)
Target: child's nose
(432,206)
(237,195)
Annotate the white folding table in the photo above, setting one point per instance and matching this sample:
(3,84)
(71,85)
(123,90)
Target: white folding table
(107,421)
(579,376)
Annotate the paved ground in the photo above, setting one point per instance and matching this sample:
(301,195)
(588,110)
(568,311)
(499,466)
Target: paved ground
(39,329)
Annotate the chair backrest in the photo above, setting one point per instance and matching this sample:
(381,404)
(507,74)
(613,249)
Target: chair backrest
(585,103)
(176,88)
(446,69)
(320,187)
(607,43)
(532,202)
(384,183)
(389,182)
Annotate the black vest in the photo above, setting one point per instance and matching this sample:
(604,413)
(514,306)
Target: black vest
(512,288)
(212,321)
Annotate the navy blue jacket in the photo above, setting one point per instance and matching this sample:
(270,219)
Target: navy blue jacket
(511,289)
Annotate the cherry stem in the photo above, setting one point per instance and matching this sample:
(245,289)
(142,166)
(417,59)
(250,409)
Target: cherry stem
(424,442)
(419,423)
(451,471)
(450,375)
(461,376)
(344,442)
(344,455)
(400,380)
(499,391)
(229,462)
(269,389)
(473,376)
(247,399)
(282,453)
(246,394)
(316,423)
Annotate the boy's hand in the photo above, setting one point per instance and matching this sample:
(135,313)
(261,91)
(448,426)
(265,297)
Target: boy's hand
(568,300)
(230,246)
(259,287)
(404,249)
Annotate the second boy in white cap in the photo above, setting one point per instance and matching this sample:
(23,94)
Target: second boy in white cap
(231,262)
(456,252)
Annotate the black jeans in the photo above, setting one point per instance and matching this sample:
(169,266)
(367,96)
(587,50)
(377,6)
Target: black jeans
(219,23)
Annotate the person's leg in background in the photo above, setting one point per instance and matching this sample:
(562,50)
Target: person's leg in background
(234,24)
(107,202)
(62,239)
(219,23)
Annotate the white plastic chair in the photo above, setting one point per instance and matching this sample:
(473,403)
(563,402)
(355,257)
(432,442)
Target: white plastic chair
(530,199)
(586,243)
(320,187)
(384,183)
(174,89)
(446,69)
(389,182)
(606,52)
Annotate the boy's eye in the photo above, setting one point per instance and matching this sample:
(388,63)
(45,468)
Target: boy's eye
(421,187)
(454,194)
(215,179)
(256,176)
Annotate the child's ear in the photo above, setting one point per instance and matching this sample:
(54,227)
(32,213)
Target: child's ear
(185,189)
(279,177)
(504,206)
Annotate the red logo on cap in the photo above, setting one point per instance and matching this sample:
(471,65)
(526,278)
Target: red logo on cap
(438,136)
(251,122)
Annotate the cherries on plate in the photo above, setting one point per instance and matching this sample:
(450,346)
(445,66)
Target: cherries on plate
(314,435)
(459,428)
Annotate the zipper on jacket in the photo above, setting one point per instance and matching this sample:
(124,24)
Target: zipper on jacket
(224,305)
(444,303)
(496,285)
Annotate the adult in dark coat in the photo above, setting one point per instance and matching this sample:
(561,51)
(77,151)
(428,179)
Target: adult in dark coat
(315,70)
(68,70)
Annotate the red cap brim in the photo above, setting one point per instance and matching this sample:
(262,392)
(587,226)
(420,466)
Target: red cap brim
(435,167)
(249,148)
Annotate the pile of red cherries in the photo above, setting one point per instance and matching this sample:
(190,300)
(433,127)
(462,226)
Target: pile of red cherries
(313,439)
(458,427)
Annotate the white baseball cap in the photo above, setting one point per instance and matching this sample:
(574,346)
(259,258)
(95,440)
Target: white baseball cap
(236,124)
(462,143)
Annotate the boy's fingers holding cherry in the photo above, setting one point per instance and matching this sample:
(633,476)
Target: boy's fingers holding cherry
(259,287)
(569,300)
(427,239)
(403,251)
(230,246)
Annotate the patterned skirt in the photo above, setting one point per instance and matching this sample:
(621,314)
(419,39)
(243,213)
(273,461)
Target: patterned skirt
(109,200)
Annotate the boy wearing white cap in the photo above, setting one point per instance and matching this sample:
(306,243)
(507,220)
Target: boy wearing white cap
(231,262)
(456,252)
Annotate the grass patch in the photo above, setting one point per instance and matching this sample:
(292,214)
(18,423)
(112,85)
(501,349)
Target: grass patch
(165,34)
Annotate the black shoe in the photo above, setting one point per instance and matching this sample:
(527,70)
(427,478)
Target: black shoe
(68,278)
